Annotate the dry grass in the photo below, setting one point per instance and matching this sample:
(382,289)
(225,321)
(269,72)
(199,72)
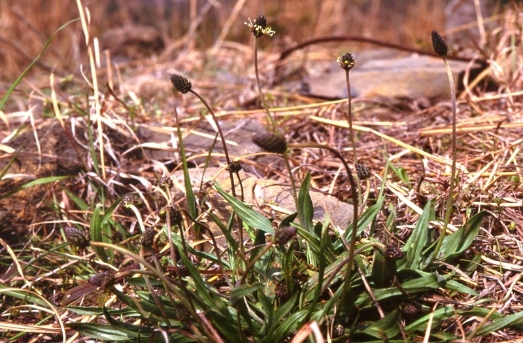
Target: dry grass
(51,127)
(25,25)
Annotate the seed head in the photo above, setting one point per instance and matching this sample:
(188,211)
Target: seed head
(339,330)
(102,279)
(270,142)
(131,199)
(284,234)
(281,292)
(438,44)
(362,171)
(409,308)
(165,181)
(261,21)
(147,238)
(234,167)
(346,61)
(180,83)
(259,27)
(78,237)
(182,314)
(393,253)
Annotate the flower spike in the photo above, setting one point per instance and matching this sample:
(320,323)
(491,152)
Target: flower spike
(180,83)
(346,61)
(259,27)
(438,43)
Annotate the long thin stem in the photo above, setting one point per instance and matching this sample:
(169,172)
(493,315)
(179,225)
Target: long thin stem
(228,160)
(291,177)
(450,200)
(352,182)
(349,117)
(271,119)
(258,84)
(222,138)
(351,132)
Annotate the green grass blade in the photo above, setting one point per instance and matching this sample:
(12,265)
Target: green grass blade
(97,234)
(386,327)
(325,241)
(82,205)
(46,180)
(22,294)
(290,324)
(304,206)
(365,219)
(459,241)
(419,239)
(189,193)
(383,269)
(246,213)
(501,323)
(241,291)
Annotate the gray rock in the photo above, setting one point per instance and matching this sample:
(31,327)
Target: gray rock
(411,76)
(268,196)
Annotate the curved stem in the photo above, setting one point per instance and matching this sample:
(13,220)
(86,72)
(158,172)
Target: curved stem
(222,138)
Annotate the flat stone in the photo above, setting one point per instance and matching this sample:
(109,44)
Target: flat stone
(268,196)
(407,76)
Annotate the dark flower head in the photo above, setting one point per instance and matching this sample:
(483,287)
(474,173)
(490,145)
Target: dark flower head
(131,199)
(103,279)
(165,181)
(281,292)
(393,253)
(362,171)
(438,44)
(259,27)
(76,236)
(284,234)
(182,314)
(339,330)
(409,308)
(180,83)
(261,21)
(346,61)
(234,167)
(271,142)
(147,238)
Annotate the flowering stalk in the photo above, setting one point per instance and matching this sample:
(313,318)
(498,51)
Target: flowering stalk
(440,48)
(183,85)
(347,62)
(259,29)
(273,142)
